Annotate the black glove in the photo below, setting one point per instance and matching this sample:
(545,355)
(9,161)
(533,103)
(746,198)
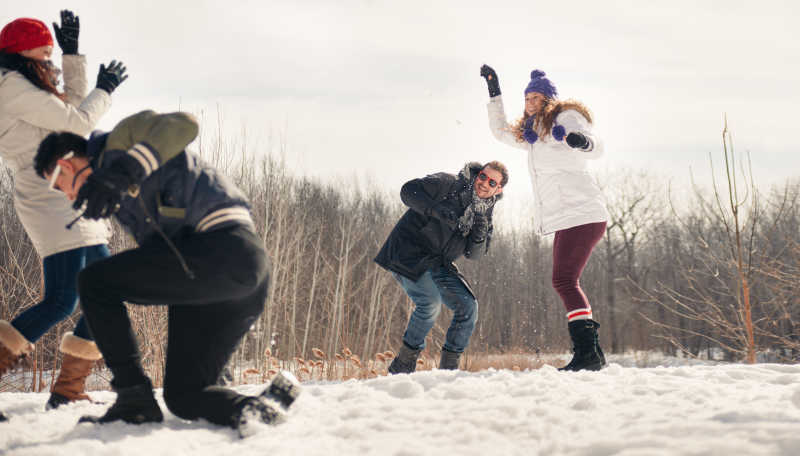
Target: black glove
(109,78)
(444,214)
(104,188)
(577,141)
(491,80)
(480,228)
(67,34)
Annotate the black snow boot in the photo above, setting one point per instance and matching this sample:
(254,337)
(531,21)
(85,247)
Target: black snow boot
(587,354)
(406,360)
(449,360)
(135,405)
(3,417)
(597,347)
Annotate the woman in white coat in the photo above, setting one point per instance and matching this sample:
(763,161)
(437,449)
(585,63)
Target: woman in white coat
(557,136)
(31,107)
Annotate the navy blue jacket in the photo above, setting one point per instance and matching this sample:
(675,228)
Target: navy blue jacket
(180,194)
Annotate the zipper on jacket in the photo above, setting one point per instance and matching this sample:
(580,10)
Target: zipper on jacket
(446,248)
(537,190)
(174,249)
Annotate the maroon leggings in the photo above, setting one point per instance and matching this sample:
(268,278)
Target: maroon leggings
(571,250)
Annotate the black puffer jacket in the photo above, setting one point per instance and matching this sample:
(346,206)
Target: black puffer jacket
(419,242)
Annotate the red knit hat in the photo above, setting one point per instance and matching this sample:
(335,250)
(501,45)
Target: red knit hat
(23,34)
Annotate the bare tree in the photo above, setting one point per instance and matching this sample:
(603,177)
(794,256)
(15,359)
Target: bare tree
(717,299)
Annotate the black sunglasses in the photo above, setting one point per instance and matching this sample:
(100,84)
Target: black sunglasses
(483,176)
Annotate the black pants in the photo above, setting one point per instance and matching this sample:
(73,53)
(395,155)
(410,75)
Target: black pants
(208,315)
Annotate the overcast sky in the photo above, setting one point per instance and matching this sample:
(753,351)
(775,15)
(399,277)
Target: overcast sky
(391,90)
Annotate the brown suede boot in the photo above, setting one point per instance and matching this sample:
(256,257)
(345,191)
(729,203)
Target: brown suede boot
(13,347)
(79,358)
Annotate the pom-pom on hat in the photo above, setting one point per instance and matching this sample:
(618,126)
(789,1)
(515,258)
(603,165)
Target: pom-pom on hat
(541,84)
(23,34)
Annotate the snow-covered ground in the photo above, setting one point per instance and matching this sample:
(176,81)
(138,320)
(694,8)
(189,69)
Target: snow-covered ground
(673,408)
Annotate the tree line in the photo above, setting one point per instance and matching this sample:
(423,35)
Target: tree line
(665,277)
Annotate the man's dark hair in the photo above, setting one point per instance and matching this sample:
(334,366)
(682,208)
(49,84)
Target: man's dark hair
(55,146)
(500,168)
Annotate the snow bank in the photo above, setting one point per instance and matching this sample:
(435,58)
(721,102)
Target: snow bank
(683,410)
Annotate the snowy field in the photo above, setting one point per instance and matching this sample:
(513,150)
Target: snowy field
(672,407)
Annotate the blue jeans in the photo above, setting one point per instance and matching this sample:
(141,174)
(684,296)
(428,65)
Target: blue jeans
(60,292)
(438,285)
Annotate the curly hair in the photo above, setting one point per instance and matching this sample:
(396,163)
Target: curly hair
(41,73)
(500,168)
(543,122)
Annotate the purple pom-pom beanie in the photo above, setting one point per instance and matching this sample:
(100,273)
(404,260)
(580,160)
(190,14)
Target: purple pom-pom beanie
(541,84)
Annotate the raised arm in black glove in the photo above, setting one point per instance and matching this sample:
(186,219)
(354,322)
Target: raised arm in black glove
(491,80)
(67,34)
(104,188)
(577,141)
(444,214)
(109,78)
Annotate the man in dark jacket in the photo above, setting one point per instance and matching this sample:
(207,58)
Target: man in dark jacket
(449,216)
(198,254)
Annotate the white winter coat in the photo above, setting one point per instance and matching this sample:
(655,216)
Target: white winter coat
(565,194)
(27,115)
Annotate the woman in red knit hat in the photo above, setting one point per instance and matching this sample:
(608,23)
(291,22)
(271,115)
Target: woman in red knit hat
(31,107)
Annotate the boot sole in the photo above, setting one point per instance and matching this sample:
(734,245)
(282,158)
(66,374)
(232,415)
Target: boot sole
(138,419)
(591,367)
(254,420)
(284,389)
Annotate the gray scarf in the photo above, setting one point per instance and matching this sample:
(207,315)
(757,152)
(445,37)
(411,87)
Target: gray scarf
(478,206)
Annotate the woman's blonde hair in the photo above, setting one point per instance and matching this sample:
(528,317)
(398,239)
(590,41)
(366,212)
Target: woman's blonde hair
(543,122)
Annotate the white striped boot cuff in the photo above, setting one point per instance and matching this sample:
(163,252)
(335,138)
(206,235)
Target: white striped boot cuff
(579,314)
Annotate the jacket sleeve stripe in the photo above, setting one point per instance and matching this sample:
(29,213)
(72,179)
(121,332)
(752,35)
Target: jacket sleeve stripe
(145,157)
(224,215)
